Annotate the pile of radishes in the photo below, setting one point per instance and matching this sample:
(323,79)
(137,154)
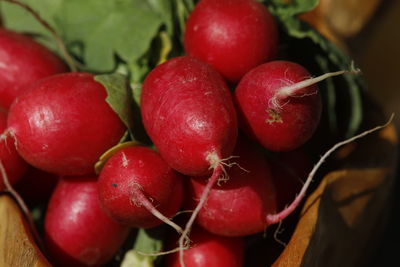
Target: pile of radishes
(212,115)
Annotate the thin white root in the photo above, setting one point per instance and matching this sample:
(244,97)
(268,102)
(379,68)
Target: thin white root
(161,253)
(291,90)
(276,218)
(278,231)
(140,198)
(184,238)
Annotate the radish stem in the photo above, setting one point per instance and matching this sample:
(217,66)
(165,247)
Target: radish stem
(278,217)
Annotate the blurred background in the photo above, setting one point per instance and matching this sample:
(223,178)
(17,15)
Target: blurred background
(377,50)
(370,32)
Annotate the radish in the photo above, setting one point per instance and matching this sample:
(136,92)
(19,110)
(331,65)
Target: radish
(22,62)
(63,124)
(77,231)
(220,206)
(133,182)
(210,250)
(233,36)
(279,120)
(188,113)
(238,206)
(14,165)
(279,105)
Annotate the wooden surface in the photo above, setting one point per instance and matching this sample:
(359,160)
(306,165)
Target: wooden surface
(17,248)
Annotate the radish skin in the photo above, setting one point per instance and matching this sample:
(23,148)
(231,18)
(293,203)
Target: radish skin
(279,104)
(138,188)
(238,206)
(77,231)
(22,62)
(228,210)
(233,36)
(282,127)
(14,165)
(63,124)
(188,113)
(210,250)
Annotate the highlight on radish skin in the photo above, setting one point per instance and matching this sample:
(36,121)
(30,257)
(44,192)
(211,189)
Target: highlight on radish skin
(238,206)
(284,127)
(188,113)
(227,209)
(77,231)
(138,188)
(279,105)
(22,55)
(210,250)
(56,116)
(233,36)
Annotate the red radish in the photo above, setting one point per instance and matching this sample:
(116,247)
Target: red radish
(238,206)
(135,180)
(188,113)
(278,119)
(22,62)
(36,186)
(210,250)
(63,124)
(215,209)
(14,165)
(77,231)
(233,36)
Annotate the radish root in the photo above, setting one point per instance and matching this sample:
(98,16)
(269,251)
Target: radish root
(139,198)
(275,103)
(276,218)
(161,253)
(217,166)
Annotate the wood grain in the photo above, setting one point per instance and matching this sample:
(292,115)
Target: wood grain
(17,246)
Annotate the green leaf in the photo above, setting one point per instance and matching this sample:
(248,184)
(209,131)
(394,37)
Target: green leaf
(165,10)
(291,8)
(121,100)
(118,96)
(331,95)
(17,18)
(182,11)
(134,259)
(123,28)
(147,241)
